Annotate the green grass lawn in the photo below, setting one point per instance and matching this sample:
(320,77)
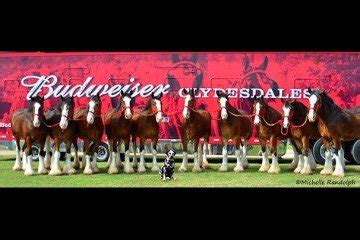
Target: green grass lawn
(208,178)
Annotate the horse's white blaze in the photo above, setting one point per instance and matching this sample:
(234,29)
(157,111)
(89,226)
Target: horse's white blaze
(186,110)
(286,116)
(90,116)
(64,117)
(257,112)
(224,113)
(159,113)
(313,100)
(127,101)
(36,114)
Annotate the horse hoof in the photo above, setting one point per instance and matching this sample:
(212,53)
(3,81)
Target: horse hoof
(43,171)
(274,170)
(88,171)
(196,169)
(17,168)
(129,170)
(141,169)
(306,171)
(206,166)
(69,171)
(264,168)
(182,169)
(95,169)
(113,170)
(326,171)
(56,172)
(238,169)
(29,173)
(223,169)
(155,169)
(338,174)
(119,165)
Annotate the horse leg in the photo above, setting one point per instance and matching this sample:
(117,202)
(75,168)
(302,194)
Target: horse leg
(42,154)
(95,150)
(111,164)
(312,161)
(87,169)
(224,164)
(17,164)
(112,153)
(55,166)
(127,166)
(184,164)
(297,146)
(76,165)
(24,157)
(265,165)
(135,162)
(295,161)
(244,160)
(47,159)
(141,167)
(239,164)
(205,163)
(274,168)
(28,169)
(339,166)
(120,150)
(68,169)
(328,166)
(196,167)
(155,167)
(305,152)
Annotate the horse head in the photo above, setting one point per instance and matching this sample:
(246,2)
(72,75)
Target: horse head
(67,111)
(37,108)
(288,109)
(126,102)
(260,106)
(94,108)
(315,100)
(156,106)
(222,100)
(189,101)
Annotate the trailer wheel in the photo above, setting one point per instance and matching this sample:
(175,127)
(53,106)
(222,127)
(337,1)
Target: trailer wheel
(319,152)
(35,152)
(348,146)
(355,151)
(103,152)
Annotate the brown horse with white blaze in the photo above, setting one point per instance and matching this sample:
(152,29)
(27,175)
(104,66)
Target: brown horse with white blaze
(301,130)
(28,124)
(118,128)
(267,122)
(335,125)
(62,129)
(145,125)
(234,124)
(196,124)
(90,128)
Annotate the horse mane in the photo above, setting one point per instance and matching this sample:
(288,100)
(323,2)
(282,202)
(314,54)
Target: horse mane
(328,105)
(271,114)
(299,109)
(231,108)
(148,105)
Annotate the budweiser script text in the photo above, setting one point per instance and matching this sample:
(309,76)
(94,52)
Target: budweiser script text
(49,87)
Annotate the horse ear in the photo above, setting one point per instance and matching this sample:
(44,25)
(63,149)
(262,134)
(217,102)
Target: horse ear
(62,98)
(152,95)
(160,95)
(121,93)
(218,93)
(265,63)
(246,63)
(195,90)
(185,91)
(131,92)
(283,100)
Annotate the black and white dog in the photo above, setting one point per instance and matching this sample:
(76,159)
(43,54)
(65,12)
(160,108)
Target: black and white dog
(167,171)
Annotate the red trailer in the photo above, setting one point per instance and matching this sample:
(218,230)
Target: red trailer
(245,75)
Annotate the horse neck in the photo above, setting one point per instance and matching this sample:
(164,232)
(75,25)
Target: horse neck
(327,110)
(299,113)
(271,115)
(231,109)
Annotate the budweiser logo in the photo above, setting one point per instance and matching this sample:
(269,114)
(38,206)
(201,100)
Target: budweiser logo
(48,85)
